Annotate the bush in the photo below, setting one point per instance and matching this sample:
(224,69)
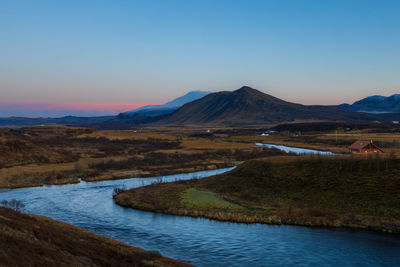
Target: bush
(14,204)
(118,190)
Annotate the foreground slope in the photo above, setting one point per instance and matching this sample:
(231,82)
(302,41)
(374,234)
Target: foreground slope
(312,191)
(247,106)
(32,240)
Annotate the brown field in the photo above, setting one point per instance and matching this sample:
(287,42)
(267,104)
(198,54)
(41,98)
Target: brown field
(32,240)
(58,154)
(337,143)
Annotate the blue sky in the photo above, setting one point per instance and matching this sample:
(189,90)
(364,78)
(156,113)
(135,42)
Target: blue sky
(311,52)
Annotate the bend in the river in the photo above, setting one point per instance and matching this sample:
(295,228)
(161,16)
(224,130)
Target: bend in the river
(201,241)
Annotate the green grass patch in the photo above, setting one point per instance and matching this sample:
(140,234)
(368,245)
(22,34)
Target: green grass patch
(194,198)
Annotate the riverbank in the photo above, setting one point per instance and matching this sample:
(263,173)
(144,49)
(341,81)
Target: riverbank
(38,240)
(120,174)
(311,191)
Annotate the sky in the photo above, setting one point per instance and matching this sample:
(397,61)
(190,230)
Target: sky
(101,57)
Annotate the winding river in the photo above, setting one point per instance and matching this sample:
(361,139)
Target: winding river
(205,242)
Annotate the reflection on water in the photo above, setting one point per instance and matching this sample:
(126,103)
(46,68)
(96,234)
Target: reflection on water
(201,241)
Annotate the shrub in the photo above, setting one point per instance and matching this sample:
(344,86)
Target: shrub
(14,204)
(119,190)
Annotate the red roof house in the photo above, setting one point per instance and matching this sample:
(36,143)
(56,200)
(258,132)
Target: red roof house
(364,147)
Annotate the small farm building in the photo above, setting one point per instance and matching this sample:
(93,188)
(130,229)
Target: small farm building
(365,147)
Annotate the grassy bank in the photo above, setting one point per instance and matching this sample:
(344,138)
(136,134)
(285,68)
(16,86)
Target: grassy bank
(32,240)
(355,192)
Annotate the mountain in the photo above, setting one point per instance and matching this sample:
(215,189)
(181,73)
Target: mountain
(170,106)
(376,104)
(247,107)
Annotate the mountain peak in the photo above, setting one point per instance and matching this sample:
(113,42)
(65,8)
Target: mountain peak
(246,88)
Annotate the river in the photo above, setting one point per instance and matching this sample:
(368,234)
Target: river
(297,150)
(200,241)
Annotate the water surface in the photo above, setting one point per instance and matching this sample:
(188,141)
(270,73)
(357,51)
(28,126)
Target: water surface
(205,242)
(297,150)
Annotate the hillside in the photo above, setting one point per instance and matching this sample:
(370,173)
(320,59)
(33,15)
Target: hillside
(376,104)
(32,240)
(312,191)
(247,107)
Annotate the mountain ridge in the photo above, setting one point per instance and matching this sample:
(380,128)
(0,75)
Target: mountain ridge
(247,106)
(376,104)
(244,107)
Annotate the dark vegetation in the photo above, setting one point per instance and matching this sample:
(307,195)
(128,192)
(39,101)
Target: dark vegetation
(32,240)
(194,159)
(56,145)
(14,204)
(54,154)
(19,149)
(57,155)
(136,118)
(314,139)
(107,147)
(118,190)
(98,146)
(70,120)
(315,191)
(319,127)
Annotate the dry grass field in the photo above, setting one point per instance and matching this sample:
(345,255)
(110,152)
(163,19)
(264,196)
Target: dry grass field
(58,154)
(335,142)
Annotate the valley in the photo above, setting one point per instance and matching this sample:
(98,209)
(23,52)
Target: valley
(200,133)
(57,154)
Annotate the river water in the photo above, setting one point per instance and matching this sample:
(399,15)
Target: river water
(200,241)
(297,150)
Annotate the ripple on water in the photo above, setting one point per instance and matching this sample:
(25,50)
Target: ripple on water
(201,241)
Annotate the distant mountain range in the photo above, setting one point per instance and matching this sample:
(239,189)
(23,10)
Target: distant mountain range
(376,104)
(245,107)
(138,116)
(170,106)
(249,107)
(68,120)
